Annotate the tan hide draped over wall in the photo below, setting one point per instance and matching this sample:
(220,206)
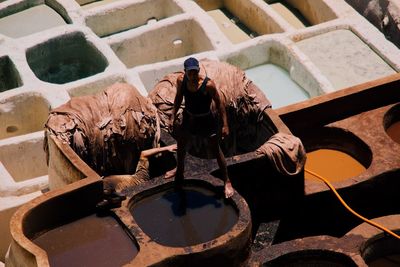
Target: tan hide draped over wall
(107,130)
(243,101)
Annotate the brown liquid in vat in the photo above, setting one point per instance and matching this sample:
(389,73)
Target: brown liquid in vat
(90,241)
(183,218)
(332,164)
(388,261)
(394,131)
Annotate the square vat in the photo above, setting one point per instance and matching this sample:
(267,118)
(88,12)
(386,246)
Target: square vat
(9,76)
(95,87)
(22,114)
(303,13)
(277,72)
(239,20)
(29,21)
(31,157)
(90,4)
(175,40)
(122,18)
(65,59)
(344,58)
(277,85)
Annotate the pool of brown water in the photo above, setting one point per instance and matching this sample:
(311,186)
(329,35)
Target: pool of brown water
(184,217)
(90,241)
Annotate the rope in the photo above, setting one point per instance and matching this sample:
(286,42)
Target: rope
(350,209)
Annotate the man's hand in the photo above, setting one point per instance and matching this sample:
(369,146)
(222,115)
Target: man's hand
(225,131)
(172,148)
(170,174)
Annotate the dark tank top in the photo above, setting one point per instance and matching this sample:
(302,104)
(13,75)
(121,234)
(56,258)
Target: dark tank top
(196,102)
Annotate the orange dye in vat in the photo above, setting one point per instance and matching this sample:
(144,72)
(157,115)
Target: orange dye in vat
(333,165)
(394,131)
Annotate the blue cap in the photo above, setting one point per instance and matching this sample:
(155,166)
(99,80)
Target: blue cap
(191,64)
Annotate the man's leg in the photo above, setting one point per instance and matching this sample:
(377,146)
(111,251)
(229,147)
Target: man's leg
(181,153)
(178,171)
(228,189)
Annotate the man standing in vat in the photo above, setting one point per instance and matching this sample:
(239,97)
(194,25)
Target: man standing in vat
(199,92)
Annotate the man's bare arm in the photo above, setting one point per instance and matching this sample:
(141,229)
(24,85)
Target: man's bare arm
(221,109)
(178,99)
(152,151)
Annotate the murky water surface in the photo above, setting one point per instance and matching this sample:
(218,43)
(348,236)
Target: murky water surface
(90,241)
(183,218)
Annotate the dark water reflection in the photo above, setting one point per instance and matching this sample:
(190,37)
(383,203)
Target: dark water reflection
(185,217)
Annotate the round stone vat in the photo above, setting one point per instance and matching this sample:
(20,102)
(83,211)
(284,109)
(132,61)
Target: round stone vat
(335,154)
(65,59)
(391,122)
(380,251)
(22,114)
(194,223)
(9,76)
(315,258)
(61,228)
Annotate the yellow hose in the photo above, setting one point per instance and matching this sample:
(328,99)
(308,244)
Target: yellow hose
(350,209)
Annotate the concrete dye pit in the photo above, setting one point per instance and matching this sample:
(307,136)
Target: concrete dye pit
(165,42)
(194,215)
(279,72)
(347,63)
(75,243)
(29,21)
(302,14)
(112,21)
(30,165)
(90,4)
(239,20)
(382,251)
(276,83)
(314,258)
(291,14)
(332,164)
(65,59)
(22,114)
(9,76)
(335,154)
